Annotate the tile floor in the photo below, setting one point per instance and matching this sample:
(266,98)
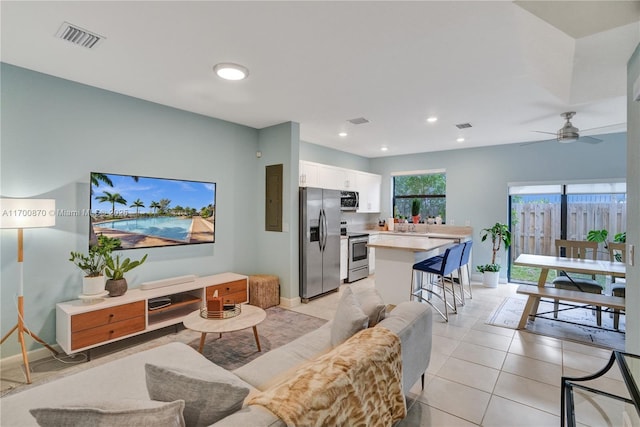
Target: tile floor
(491,376)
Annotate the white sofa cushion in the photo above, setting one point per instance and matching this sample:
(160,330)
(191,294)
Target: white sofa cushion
(273,365)
(209,395)
(119,413)
(349,318)
(370,301)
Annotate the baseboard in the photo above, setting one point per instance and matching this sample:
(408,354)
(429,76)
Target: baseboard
(290,302)
(33,355)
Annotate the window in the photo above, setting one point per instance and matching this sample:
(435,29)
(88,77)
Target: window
(429,187)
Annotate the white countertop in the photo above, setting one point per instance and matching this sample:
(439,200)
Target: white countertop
(409,243)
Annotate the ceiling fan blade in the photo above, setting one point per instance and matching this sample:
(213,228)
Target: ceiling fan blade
(613,127)
(589,140)
(541,131)
(535,142)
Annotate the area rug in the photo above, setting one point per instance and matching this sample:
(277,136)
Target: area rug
(233,350)
(508,315)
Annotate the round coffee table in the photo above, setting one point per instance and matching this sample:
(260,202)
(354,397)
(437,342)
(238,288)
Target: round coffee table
(249,317)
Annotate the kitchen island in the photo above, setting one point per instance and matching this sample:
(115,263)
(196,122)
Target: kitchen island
(394,259)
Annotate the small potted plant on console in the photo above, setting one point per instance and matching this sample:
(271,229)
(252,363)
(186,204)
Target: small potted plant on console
(115,269)
(93,264)
(499,234)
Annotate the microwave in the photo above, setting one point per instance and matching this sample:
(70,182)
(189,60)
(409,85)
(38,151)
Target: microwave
(349,200)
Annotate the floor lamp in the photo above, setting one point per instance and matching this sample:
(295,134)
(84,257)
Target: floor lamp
(20,214)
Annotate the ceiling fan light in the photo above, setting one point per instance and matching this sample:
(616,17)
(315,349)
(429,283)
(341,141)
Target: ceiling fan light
(230,71)
(567,139)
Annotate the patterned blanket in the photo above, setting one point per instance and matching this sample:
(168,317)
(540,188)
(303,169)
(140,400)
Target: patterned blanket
(358,383)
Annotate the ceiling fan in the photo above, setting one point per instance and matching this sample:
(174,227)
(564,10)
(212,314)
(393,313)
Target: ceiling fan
(569,133)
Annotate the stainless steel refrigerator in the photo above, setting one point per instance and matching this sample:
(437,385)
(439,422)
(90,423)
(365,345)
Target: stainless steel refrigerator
(319,241)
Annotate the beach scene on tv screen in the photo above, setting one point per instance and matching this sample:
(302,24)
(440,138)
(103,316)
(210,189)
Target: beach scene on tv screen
(148,212)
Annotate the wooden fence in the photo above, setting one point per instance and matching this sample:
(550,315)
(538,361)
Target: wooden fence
(536,226)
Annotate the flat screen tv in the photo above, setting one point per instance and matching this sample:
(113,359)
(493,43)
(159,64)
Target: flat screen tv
(146,212)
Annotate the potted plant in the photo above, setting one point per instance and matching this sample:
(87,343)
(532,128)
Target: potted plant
(93,264)
(500,235)
(415,210)
(115,269)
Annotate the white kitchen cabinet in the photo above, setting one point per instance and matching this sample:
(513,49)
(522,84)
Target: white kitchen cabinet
(368,187)
(344,258)
(335,178)
(309,176)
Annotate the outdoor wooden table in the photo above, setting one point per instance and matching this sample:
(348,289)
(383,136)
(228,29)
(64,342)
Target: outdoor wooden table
(569,265)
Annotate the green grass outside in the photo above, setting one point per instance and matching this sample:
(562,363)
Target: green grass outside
(520,274)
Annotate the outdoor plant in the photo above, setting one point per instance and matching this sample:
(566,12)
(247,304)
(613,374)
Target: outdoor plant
(93,264)
(115,268)
(500,235)
(601,236)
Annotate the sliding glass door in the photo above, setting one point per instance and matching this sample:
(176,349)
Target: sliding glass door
(540,214)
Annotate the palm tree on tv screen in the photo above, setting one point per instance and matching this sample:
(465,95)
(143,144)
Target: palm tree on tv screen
(137,204)
(112,198)
(155,205)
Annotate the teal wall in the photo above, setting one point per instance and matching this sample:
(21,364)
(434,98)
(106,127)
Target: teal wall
(277,252)
(55,132)
(328,156)
(477,178)
(633,205)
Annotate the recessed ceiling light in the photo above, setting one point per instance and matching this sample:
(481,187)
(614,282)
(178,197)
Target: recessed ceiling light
(343,134)
(460,139)
(384,148)
(229,71)
(432,119)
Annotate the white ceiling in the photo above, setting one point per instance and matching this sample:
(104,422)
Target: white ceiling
(507,68)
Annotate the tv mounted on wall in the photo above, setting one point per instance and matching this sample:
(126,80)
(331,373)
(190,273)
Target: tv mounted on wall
(146,212)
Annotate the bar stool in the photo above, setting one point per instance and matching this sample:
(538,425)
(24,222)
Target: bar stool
(442,268)
(464,262)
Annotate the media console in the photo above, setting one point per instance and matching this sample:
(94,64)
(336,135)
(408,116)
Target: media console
(82,325)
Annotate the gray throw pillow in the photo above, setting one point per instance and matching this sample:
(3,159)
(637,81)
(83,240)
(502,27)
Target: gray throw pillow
(370,302)
(349,318)
(209,395)
(120,413)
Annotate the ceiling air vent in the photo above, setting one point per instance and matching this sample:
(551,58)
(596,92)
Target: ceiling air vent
(463,125)
(78,36)
(358,121)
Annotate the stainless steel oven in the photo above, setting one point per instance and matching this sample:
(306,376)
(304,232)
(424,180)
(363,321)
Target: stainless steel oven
(358,257)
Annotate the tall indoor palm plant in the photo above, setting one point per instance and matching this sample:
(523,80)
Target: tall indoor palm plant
(500,235)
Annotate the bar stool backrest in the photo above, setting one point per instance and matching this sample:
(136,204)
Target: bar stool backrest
(466,253)
(451,260)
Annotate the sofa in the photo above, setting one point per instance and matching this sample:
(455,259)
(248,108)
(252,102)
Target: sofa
(128,378)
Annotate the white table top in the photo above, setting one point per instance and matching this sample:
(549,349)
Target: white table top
(248,317)
(574,265)
(411,244)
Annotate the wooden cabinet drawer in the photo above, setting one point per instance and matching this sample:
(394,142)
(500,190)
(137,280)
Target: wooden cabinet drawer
(228,288)
(107,316)
(107,332)
(237,297)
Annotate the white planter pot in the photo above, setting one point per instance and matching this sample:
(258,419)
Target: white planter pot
(92,285)
(490,279)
